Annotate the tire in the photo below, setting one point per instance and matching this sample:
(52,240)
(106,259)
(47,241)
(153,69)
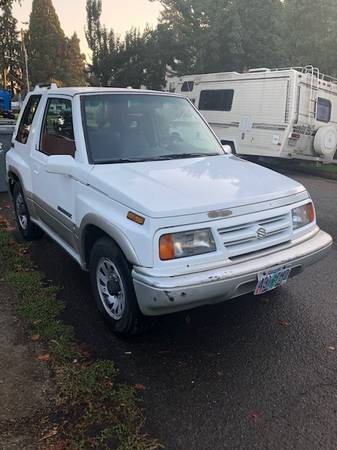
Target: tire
(28,230)
(113,289)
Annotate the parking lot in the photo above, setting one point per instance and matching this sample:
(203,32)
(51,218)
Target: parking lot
(255,372)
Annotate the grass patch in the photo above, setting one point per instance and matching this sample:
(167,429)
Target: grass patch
(316,167)
(96,410)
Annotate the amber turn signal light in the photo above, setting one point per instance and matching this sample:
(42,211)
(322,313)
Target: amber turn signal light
(166,248)
(136,218)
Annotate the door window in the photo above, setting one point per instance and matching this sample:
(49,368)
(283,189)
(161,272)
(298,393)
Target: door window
(27,119)
(216,100)
(57,136)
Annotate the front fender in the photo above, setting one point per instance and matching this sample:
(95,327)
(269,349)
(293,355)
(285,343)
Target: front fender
(111,230)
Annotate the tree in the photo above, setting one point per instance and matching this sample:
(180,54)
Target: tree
(74,63)
(312,33)
(225,35)
(10,54)
(46,43)
(52,56)
(205,34)
(101,43)
(139,59)
(263,38)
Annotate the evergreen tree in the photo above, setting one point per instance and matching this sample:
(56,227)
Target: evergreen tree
(46,44)
(74,63)
(10,54)
(102,44)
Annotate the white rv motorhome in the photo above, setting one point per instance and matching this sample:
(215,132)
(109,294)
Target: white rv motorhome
(284,113)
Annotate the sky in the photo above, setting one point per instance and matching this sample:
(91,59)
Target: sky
(117,14)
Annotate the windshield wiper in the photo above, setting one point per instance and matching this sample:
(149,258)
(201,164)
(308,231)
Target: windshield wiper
(186,155)
(158,158)
(124,160)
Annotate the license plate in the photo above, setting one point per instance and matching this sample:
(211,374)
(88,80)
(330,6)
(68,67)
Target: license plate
(271,279)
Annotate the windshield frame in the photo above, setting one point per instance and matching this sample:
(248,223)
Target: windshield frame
(92,161)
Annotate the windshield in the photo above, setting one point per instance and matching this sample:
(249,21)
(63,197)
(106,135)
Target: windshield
(142,127)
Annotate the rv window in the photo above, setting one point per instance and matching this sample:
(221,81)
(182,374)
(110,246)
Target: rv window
(323,110)
(216,100)
(187,86)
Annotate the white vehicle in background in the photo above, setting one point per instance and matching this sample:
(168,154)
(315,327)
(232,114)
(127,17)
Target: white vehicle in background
(283,113)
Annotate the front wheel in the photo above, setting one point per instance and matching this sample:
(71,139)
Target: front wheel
(113,289)
(28,230)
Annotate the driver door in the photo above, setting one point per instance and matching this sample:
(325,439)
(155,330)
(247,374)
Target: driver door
(54,194)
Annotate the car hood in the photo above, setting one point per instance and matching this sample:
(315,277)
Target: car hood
(190,186)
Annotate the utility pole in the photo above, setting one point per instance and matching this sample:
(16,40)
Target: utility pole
(24,51)
(5,77)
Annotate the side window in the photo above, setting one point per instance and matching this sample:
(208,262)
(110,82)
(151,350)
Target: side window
(187,86)
(323,110)
(57,135)
(216,100)
(27,119)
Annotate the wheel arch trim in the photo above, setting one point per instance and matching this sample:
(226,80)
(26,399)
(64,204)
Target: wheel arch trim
(115,233)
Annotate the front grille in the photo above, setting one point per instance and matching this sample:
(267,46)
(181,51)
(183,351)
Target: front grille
(257,235)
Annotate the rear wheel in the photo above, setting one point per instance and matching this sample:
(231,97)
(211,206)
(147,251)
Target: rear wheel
(113,289)
(28,230)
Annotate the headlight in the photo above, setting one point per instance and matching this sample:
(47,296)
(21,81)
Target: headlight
(303,215)
(186,243)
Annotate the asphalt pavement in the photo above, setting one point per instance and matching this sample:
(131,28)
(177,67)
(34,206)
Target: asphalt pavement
(251,373)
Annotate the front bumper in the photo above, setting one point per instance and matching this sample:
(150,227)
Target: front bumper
(163,295)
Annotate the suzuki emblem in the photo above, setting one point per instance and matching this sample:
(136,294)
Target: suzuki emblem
(261,233)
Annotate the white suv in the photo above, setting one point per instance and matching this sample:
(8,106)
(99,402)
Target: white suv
(162,218)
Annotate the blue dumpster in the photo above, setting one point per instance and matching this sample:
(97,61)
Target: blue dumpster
(5,100)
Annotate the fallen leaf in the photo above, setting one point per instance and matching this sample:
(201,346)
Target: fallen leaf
(43,357)
(254,416)
(59,445)
(284,323)
(35,337)
(50,434)
(140,387)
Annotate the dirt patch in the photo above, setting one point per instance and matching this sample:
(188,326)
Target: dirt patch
(25,383)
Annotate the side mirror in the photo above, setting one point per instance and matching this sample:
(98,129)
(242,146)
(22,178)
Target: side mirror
(61,164)
(227,149)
